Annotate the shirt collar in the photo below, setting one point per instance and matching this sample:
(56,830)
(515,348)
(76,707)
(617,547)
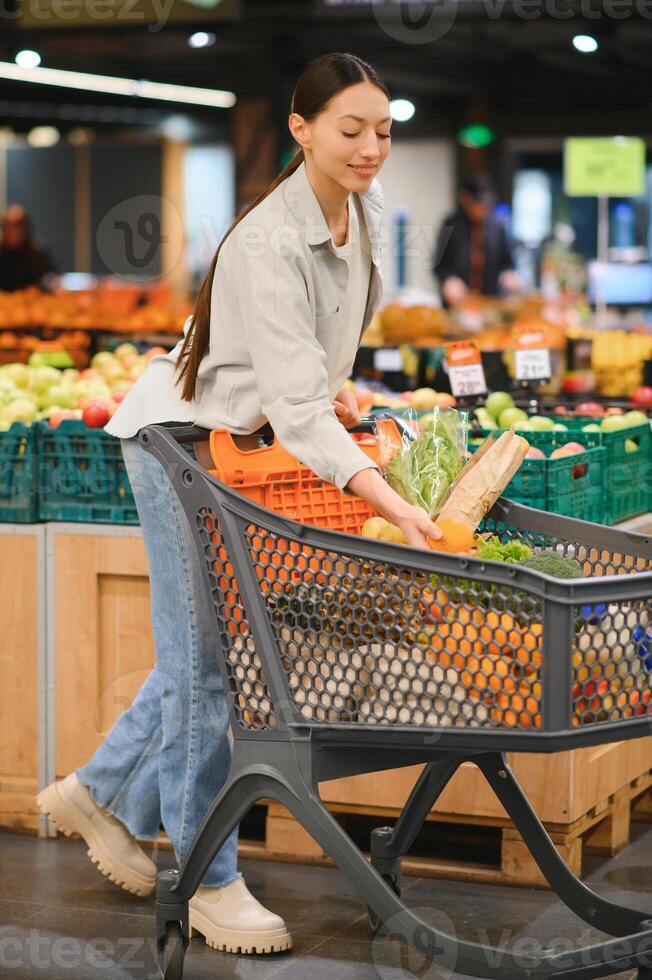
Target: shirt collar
(302,201)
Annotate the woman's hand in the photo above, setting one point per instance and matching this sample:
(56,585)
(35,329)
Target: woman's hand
(412,520)
(417,526)
(346,409)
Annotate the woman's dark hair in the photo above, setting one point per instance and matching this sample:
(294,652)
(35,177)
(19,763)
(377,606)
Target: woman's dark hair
(322,80)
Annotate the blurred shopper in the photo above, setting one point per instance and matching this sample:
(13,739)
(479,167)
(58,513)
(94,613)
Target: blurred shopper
(473,252)
(23,262)
(272,339)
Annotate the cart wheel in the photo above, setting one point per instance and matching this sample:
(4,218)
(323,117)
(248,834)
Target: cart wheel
(374,922)
(644,973)
(172,953)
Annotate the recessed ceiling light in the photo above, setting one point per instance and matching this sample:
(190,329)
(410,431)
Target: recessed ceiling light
(585,43)
(131,87)
(201,39)
(28,58)
(43,136)
(401,109)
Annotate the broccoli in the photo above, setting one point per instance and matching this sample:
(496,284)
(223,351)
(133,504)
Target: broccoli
(554,564)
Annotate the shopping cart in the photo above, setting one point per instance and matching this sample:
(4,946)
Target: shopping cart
(343,655)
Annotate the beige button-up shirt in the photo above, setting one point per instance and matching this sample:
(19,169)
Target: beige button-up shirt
(276,341)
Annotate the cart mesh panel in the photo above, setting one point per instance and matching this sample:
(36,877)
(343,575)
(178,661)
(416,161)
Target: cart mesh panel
(612,662)
(378,643)
(247,679)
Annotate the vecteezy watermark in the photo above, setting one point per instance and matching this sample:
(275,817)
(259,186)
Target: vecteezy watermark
(420,942)
(43,954)
(153,13)
(130,239)
(426,21)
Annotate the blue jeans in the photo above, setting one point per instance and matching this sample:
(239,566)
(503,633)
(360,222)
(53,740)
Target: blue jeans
(168,755)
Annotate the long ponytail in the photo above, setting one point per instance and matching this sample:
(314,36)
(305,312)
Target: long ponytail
(323,79)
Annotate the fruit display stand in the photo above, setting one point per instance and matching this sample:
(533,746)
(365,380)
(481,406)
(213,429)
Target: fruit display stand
(24,737)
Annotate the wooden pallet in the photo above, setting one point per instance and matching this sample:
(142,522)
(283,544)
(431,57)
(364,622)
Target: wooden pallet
(467,848)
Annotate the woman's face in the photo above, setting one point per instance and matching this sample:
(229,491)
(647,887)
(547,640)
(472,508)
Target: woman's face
(349,140)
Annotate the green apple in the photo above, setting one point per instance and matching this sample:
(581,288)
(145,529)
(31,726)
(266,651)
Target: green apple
(43,378)
(591,427)
(63,395)
(20,410)
(18,373)
(560,427)
(525,426)
(612,423)
(631,446)
(541,423)
(636,418)
(497,402)
(510,416)
(102,357)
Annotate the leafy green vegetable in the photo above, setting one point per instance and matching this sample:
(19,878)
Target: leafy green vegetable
(554,564)
(511,552)
(422,471)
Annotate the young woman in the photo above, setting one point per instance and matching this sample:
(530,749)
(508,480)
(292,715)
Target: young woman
(272,339)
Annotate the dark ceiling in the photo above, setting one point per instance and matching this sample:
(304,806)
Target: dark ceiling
(493,59)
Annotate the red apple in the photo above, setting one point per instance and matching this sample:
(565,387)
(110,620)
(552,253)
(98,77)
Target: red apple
(534,453)
(589,408)
(57,418)
(118,396)
(612,410)
(642,395)
(96,416)
(559,410)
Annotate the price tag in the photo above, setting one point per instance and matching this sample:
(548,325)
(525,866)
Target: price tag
(388,359)
(465,371)
(533,365)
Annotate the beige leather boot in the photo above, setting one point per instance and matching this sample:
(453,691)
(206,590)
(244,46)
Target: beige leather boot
(232,920)
(110,845)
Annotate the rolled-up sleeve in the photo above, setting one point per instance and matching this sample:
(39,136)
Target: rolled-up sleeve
(290,364)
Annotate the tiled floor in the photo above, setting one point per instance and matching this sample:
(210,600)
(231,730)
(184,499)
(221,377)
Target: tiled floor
(61,920)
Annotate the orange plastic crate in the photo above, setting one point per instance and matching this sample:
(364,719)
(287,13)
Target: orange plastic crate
(275,479)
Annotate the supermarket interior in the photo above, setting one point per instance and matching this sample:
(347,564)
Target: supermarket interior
(338,665)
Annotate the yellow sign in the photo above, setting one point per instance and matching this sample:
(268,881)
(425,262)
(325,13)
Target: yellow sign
(604,166)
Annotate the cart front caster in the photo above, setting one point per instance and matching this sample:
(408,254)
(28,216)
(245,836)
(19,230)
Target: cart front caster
(172,953)
(394,882)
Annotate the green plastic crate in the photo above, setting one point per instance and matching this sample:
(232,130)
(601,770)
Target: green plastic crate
(82,475)
(18,475)
(548,441)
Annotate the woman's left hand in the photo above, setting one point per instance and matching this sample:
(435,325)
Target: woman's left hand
(346,409)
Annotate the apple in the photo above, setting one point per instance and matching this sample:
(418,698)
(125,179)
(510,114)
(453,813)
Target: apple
(155,352)
(522,426)
(591,427)
(423,399)
(636,418)
(20,410)
(560,427)
(642,395)
(95,416)
(631,446)
(126,350)
(510,416)
(614,410)
(568,449)
(59,414)
(611,423)
(541,423)
(589,408)
(63,395)
(498,402)
(119,396)
(89,374)
(444,400)
(534,453)
(559,410)
(102,357)
(18,373)
(43,378)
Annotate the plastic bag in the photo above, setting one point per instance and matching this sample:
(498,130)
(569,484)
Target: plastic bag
(432,454)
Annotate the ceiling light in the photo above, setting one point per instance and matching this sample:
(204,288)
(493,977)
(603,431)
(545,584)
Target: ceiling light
(28,58)
(401,109)
(131,87)
(43,136)
(585,43)
(201,39)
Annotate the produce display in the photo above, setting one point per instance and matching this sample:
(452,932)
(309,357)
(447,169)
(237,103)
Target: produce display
(30,392)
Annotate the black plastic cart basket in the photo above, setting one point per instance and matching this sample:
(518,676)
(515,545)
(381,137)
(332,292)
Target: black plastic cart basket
(341,655)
